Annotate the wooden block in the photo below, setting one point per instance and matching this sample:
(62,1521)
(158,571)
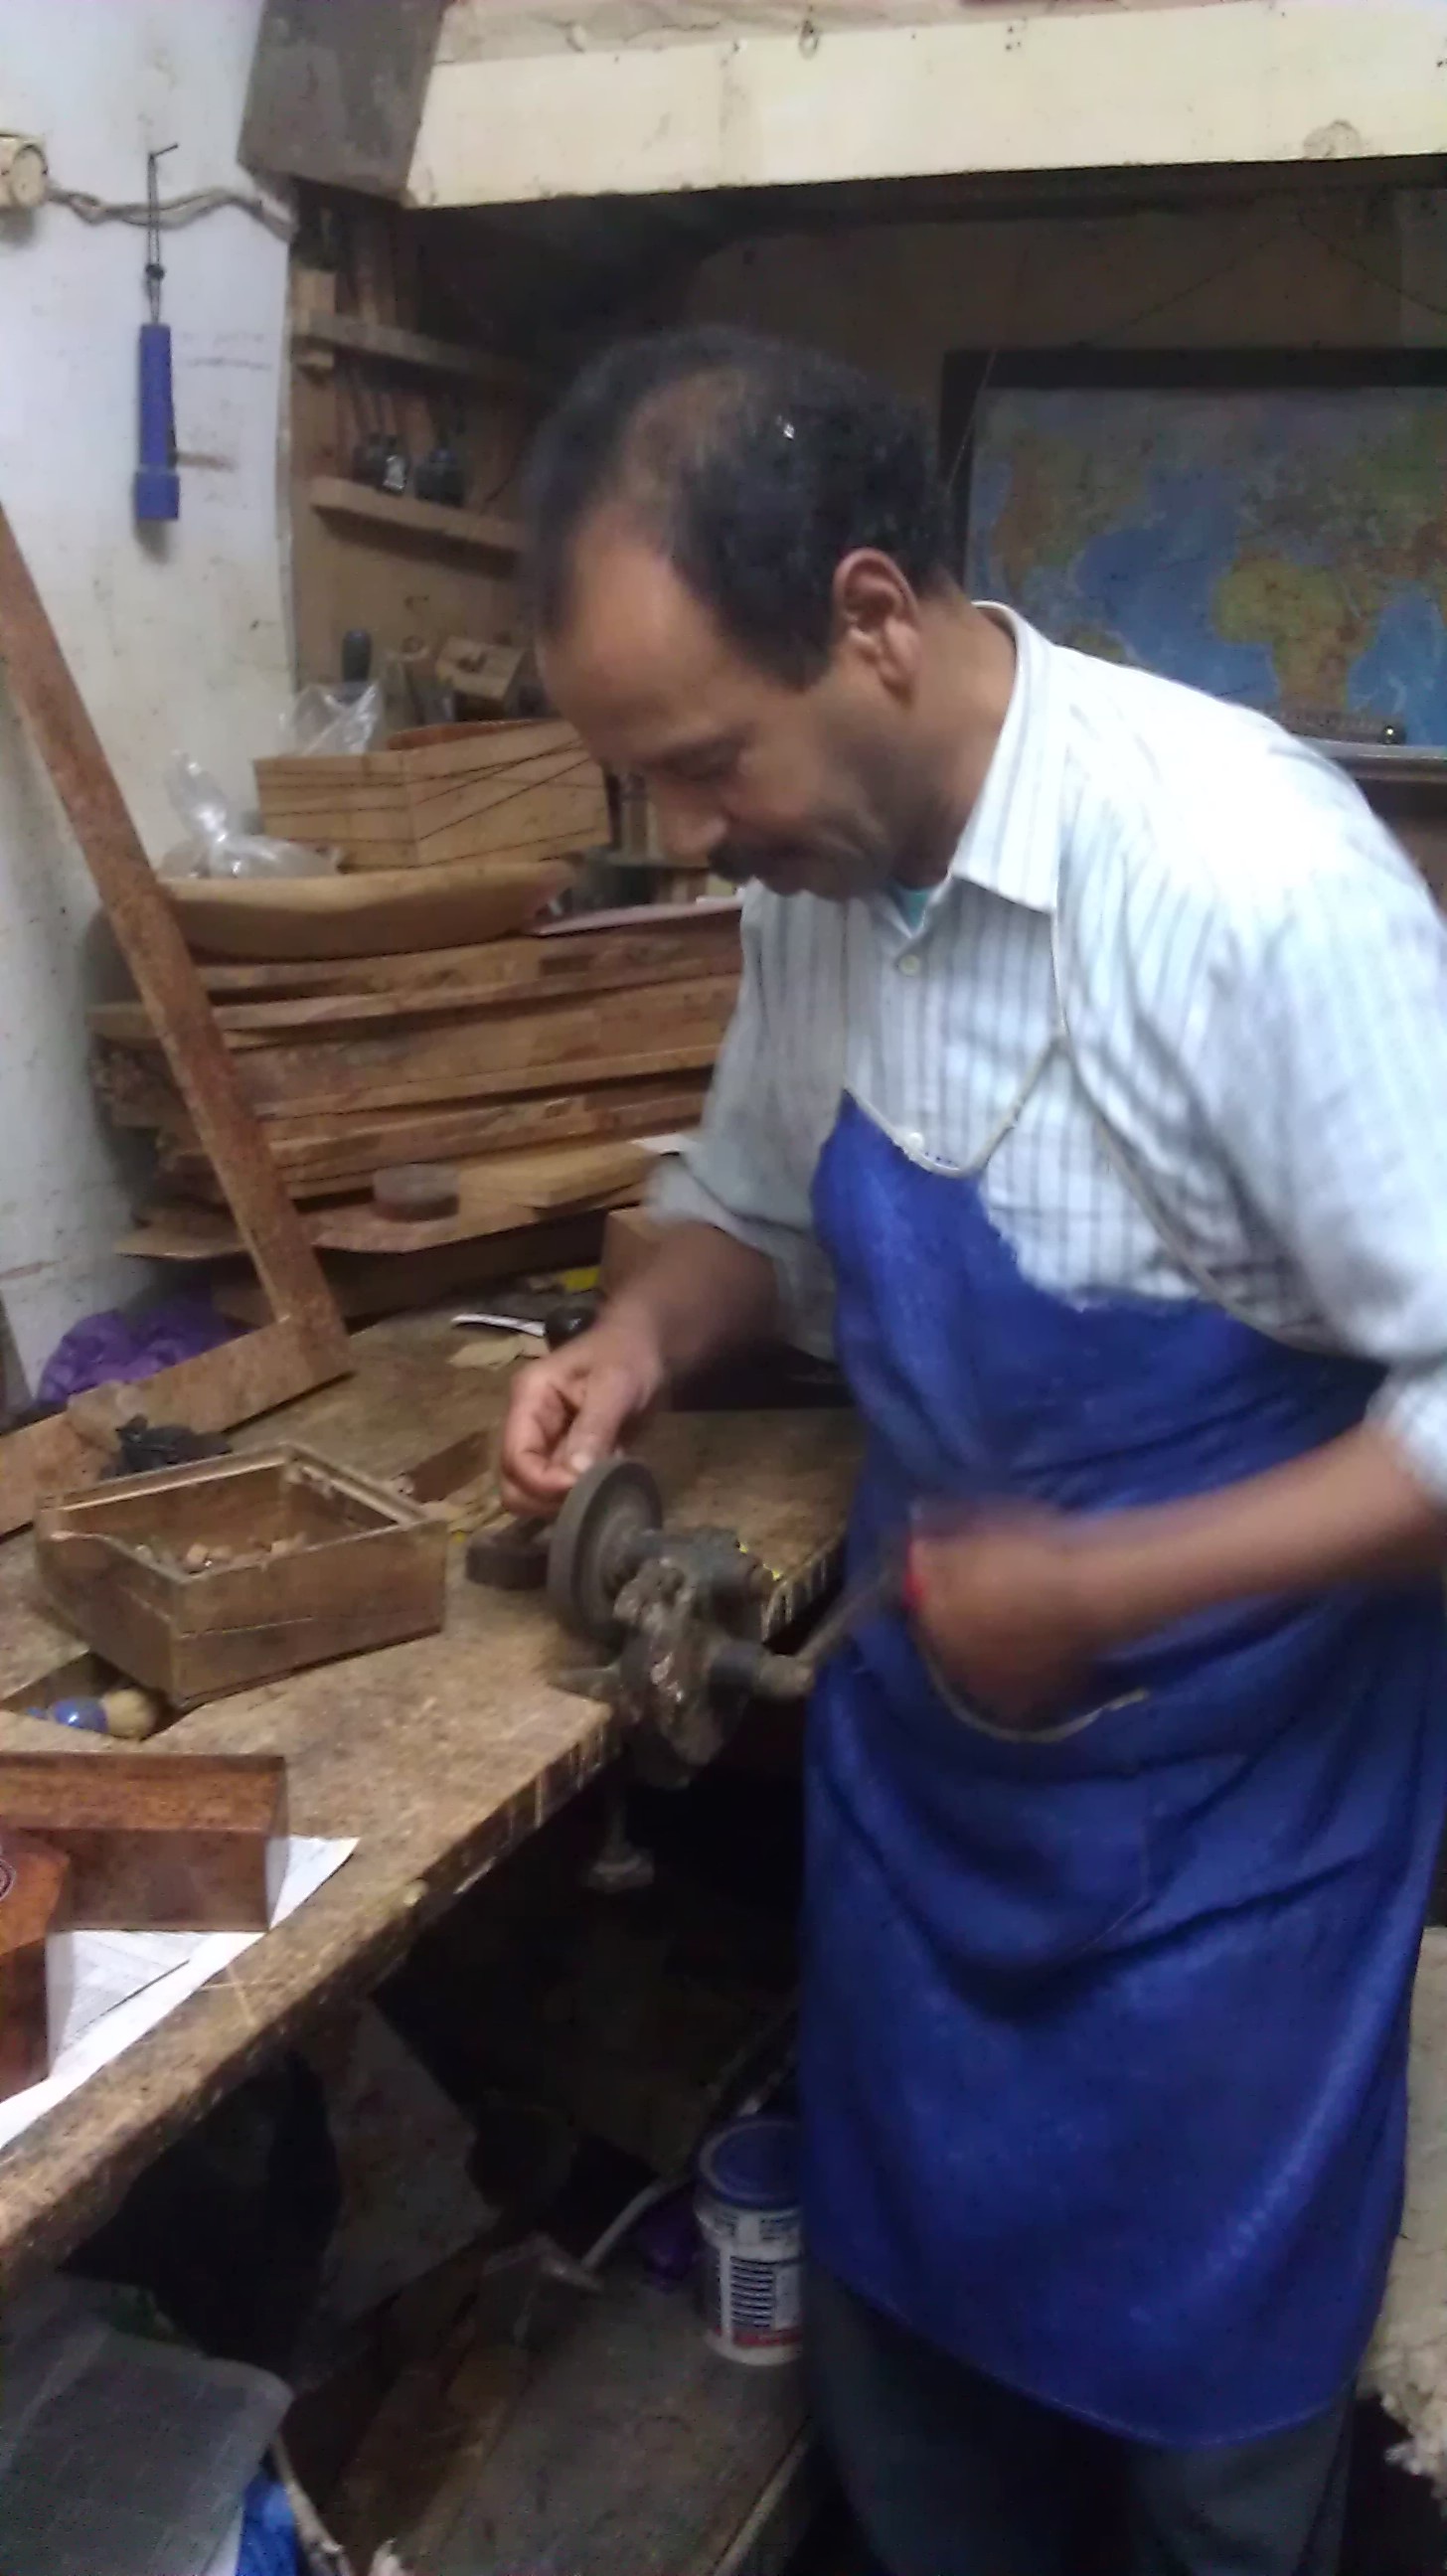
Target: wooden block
(483,674)
(414,1191)
(34,1878)
(154,1842)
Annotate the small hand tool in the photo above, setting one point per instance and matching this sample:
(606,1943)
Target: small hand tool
(561,1322)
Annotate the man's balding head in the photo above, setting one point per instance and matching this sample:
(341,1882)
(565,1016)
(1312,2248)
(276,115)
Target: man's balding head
(739,568)
(754,469)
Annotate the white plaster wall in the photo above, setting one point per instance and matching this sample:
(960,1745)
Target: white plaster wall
(177,641)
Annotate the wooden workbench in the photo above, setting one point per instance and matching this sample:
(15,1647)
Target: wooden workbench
(440,1755)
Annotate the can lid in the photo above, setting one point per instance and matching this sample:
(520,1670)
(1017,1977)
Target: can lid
(754,2163)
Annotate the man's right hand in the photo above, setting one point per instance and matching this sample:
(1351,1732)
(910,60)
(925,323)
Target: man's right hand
(572,1408)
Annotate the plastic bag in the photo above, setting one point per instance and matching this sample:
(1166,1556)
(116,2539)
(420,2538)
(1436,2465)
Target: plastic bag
(332,720)
(215,844)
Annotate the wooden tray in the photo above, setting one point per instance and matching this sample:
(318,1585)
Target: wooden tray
(361,916)
(302,1561)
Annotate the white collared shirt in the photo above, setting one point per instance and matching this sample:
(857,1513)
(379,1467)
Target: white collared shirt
(1254,981)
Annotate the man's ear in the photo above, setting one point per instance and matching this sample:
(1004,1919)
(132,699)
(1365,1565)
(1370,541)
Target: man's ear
(876,618)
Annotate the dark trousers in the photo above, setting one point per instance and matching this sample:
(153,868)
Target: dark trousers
(949,2474)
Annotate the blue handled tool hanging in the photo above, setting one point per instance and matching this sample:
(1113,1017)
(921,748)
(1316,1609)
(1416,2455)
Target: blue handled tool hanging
(157,486)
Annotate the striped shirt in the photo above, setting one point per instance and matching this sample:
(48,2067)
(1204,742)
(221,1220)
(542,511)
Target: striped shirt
(1252,1102)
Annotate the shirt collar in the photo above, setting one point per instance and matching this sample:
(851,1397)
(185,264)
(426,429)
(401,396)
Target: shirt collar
(1011,843)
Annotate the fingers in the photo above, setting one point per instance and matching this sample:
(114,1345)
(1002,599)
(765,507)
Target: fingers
(531,1470)
(609,1401)
(566,1413)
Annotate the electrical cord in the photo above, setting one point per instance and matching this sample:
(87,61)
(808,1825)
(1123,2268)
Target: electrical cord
(1389,285)
(1113,334)
(172,213)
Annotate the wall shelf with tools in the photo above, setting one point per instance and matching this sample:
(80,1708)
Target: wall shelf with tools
(406,451)
(474,531)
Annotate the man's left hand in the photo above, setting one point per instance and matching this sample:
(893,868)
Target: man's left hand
(1003,1605)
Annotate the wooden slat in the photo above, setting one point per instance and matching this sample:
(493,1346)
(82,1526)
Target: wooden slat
(480,973)
(156,955)
(503,1190)
(308,1343)
(387,345)
(367,1284)
(511,1029)
(495,1193)
(545,1046)
(397,514)
(550,1048)
(268,1366)
(321,1157)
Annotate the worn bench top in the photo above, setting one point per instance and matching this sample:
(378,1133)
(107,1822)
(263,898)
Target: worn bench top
(440,1755)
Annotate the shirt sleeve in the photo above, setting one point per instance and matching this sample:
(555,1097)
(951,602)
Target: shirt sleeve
(1336,1120)
(739,1174)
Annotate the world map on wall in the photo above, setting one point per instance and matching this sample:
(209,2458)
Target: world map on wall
(1287,550)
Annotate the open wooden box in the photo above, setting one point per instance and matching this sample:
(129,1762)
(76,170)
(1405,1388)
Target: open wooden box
(206,1578)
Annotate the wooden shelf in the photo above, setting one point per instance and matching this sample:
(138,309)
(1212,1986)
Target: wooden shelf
(472,531)
(387,345)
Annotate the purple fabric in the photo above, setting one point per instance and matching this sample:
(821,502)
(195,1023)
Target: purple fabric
(113,1345)
(666,2240)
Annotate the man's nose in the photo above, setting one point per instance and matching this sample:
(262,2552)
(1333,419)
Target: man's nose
(690,826)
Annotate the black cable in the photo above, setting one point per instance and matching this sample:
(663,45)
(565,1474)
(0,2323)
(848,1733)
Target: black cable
(1389,285)
(155,268)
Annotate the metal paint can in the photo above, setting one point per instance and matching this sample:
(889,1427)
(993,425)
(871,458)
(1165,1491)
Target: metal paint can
(751,2274)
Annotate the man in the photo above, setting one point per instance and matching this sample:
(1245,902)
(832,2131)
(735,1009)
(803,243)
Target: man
(1092,1048)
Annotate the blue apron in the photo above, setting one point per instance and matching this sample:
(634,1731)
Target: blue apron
(1104,2031)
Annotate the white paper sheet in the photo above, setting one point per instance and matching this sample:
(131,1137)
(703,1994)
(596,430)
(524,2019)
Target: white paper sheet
(107,1989)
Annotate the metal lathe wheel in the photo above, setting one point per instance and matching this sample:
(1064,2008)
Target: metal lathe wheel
(592,1549)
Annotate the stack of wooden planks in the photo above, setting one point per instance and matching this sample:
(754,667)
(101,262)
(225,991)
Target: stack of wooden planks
(528,1063)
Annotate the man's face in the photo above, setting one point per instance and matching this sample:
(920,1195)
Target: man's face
(815,790)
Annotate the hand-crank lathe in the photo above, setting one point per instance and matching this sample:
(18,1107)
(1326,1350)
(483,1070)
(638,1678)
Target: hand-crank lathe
(690,1615)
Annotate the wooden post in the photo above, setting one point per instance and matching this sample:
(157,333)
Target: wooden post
(307,1343)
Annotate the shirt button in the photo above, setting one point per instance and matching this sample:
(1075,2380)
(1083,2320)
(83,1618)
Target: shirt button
(912,1141)
(910,963)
